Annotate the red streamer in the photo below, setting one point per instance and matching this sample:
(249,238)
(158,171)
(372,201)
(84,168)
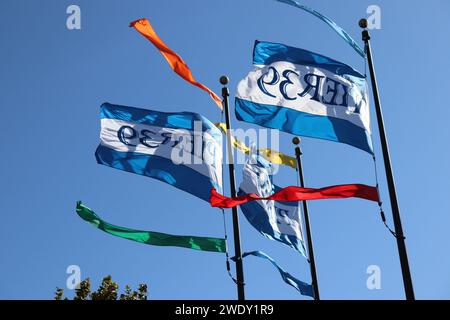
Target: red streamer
(293,193)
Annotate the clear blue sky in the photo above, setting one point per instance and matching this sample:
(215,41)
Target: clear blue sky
(54,80)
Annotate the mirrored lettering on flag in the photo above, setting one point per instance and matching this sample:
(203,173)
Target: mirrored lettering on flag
(304,93)
(183,149)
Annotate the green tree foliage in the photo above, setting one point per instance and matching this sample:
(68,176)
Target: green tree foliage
(108,290)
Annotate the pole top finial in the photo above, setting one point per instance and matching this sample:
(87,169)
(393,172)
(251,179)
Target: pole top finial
(224,80)
(363,23)
(296,140)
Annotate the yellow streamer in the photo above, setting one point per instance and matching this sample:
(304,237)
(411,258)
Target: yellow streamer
(269,154)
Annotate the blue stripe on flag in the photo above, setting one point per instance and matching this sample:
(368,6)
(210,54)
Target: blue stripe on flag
(304,124)
(267,52)
(179,120)
(180,176)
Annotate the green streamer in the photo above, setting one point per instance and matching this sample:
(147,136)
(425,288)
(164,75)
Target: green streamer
(150,237)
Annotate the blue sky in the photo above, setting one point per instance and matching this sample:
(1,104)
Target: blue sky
(53,81)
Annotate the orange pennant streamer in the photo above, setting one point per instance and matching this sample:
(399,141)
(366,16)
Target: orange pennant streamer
(144,27)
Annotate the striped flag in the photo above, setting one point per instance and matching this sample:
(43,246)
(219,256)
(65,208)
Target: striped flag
(176,148)
(275,220)
(307,94)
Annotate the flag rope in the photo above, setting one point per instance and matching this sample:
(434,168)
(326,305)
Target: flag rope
(226,248)
(301,225)
(380,203)
(227,255)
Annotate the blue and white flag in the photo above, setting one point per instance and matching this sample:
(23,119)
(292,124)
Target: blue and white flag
(183,149)
(274,219)
(306,94)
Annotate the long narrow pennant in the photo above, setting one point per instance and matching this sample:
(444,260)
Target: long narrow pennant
(269,154)
(341,32)
(150,237)
(294,193)
(180,67)
(278,157)
(304,288)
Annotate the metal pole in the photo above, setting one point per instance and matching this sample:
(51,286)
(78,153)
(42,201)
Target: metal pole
(312,262)
(407,281)
(236,235)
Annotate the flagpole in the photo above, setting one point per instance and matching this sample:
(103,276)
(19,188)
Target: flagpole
(312,262)
(407,281)
(237,238)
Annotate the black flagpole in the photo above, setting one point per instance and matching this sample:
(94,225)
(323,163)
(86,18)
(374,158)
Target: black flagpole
(237,238)
(407,281)
(312,262)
